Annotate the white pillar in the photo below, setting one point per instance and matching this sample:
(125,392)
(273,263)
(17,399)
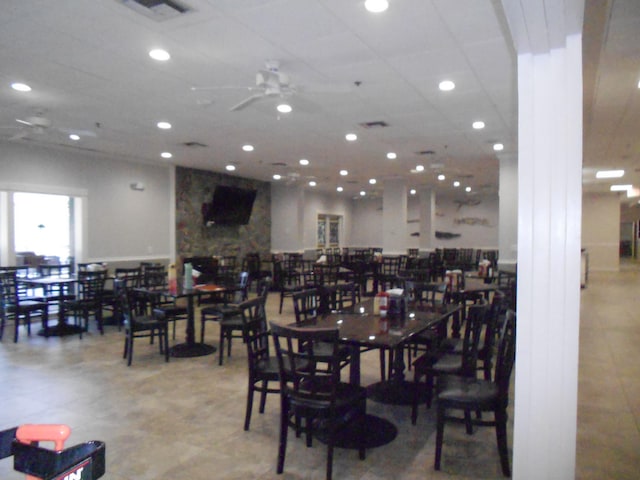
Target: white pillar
(508,212)
(394,217)
(427,218)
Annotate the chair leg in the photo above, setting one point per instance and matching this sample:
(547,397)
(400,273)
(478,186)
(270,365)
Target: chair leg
(501,435)
(247,416)
(416,396)
(284,427)
(202,322)
(263,395)
(281,301)
(130,349)
(439,437)
(221,346)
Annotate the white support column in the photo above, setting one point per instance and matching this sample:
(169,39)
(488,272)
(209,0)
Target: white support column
(394,217)
(508,212)
(549,213)
(548,41)
(427,218)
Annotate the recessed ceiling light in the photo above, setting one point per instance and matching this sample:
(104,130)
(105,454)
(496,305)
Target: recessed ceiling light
(339,189)
(467,189)
(376,6)
(372,181)
(159,54)
(312,183)
(166,155)
(419,168)
(351,137)
(362,193)
(498,147)
(164,125)
(21,87)
(304,161)
(284,108)
(344,173)
(392,156)
(446,85)
(247,148)
(478,125)
(456,184)
(74,137)
(230,168)
(276,176)
(441,177)
(620,188)
(412,191)
(609,173)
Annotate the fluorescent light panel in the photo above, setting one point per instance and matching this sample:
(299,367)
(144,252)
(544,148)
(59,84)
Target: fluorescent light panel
(620,188)
(609,173)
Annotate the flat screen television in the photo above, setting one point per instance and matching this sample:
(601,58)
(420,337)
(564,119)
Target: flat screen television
(230,206)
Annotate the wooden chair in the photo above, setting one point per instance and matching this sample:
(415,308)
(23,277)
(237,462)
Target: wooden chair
(155,277)
(88,300)
(140,326)
(437,364)
(263,368)
(313,399)
(13,306)
(470,394)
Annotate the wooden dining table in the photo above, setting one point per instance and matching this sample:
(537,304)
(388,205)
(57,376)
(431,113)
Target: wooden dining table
(64,284)
(363,330)
(190,347)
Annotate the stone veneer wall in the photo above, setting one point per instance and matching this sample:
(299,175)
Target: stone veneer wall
(193,238)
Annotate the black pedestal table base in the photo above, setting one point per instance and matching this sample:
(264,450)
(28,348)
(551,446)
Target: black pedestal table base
(62,330)
(185,350)
(370,432)
(394,392)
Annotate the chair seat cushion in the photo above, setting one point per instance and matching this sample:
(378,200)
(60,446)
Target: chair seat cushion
(461,391)
(448,363)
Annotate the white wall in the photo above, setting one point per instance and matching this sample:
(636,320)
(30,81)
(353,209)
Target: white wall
(294,214)
(601,230)
(122,224)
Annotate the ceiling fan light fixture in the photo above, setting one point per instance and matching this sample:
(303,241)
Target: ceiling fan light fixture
(344,173)
(339,189)
(373,181)
(498,147)
(304,162)
(284,108)
(376,6)
(441,177)
(21,87)
(277,176)
(230,168)
(467,189)
(419,168)
(456,184)
(312,183)
(412,191)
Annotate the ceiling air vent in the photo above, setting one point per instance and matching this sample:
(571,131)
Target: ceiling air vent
(377,124)
(194,144)
(426,152)
(278,164)
(158,10)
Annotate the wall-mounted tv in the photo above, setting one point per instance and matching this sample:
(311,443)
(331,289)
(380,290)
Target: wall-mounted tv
(230,206)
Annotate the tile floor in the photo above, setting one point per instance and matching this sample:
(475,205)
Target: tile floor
(184,419)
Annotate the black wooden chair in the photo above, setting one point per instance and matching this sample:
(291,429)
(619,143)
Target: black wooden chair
(289,281)
(437,364)
(14,306)
(470,394)
(313,399)
(88,300)
(263,368)
(140,326)
(155,277)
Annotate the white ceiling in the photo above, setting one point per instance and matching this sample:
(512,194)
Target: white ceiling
(89,68)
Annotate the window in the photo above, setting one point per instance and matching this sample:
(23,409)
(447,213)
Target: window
(329,227)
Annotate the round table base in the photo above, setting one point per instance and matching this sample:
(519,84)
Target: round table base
(185,350)
(370,432)
(393,392)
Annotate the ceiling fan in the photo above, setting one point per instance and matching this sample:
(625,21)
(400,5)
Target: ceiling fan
(270,83)
(38,124)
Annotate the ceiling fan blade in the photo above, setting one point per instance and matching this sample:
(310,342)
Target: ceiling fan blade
(24,122)
(246,102)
